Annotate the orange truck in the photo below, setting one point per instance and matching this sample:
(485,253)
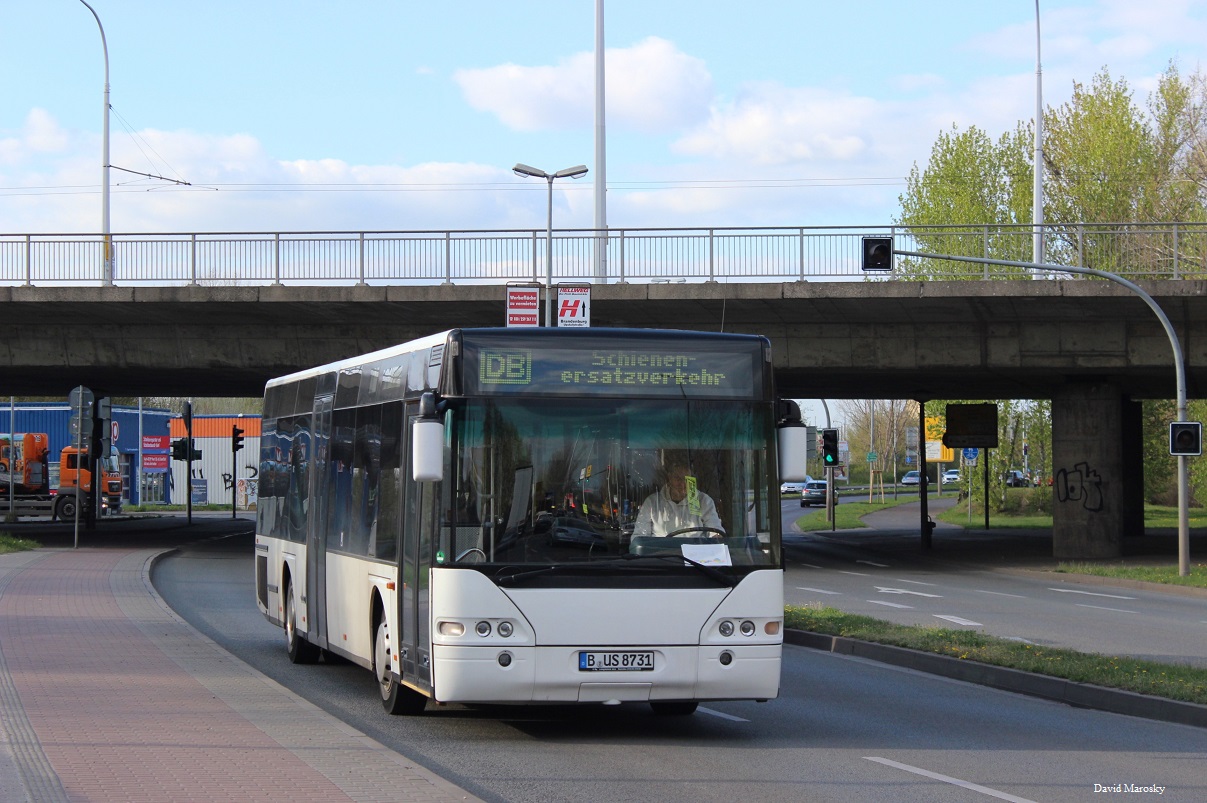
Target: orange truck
(25,475)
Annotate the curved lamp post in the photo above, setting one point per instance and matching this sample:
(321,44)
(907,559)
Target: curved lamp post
(578,171)
(107,269)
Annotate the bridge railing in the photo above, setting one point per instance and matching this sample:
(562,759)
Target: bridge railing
(1139,251)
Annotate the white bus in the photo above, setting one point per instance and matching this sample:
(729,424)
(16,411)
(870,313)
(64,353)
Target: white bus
(462,515)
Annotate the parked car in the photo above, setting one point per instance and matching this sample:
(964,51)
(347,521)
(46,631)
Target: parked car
(814,493)
(949,476)
(911,478)
(1017,479)
(794,487)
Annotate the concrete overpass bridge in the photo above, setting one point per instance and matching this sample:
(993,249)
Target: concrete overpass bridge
(1092,347)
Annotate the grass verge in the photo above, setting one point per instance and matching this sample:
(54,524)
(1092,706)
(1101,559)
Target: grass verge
(848,515)
(1149,574)
(10,543)
(1174,682)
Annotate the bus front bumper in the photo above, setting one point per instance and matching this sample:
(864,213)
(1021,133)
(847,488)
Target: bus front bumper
(552,674)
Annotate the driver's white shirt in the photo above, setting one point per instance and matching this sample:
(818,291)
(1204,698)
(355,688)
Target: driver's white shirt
(660,515)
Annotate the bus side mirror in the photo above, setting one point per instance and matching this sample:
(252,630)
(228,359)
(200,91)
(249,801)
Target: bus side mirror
(793,442)
(427,442)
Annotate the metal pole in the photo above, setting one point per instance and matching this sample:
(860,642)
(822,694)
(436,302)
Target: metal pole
(601,151)
(923,496)
(549,258)
(1037,194)
(79,473)
(12,454)
(107,269)
(1178,365)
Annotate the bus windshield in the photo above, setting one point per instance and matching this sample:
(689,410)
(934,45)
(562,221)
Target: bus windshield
(573,480)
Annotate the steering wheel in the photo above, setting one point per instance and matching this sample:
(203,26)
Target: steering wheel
(709,532)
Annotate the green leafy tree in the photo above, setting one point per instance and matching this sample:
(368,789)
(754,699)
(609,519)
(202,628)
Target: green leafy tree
(971,187)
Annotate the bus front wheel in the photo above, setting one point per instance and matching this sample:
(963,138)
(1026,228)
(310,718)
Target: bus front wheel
(395,697)
(300,650)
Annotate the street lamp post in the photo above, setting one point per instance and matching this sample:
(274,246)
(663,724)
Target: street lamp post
(107,268)
(577,171)
(1037,192)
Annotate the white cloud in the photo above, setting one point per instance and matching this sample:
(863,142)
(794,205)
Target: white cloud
(651,87)
(770,124)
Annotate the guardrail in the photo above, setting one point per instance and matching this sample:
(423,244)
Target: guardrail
(1137,251)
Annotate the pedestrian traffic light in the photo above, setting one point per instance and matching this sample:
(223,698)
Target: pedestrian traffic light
(1186,438)
(180,449)
(236,439)
(877,254)
(829,447)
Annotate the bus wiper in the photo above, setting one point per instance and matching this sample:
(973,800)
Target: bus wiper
(721,577)
(514,577)
(519,576)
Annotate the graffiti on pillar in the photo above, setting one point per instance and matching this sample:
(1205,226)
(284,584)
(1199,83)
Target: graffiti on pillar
(1082,484)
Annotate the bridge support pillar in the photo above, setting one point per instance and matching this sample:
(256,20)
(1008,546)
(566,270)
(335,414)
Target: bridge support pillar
(1094,494)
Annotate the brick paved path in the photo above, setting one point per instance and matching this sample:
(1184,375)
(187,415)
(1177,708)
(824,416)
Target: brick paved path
(106,694)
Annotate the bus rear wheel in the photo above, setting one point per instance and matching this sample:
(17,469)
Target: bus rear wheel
(300,650)
(395,697)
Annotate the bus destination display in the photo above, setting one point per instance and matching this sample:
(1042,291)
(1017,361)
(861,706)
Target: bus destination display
(630,372)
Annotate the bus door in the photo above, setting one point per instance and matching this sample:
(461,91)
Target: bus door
(316,539)
(418,532)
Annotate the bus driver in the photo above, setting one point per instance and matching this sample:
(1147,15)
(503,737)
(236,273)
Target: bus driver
(678,505)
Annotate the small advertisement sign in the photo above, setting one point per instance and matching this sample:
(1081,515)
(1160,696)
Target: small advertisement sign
(523,306)
(200,490)
(155,462)
(574,305)
(152,442)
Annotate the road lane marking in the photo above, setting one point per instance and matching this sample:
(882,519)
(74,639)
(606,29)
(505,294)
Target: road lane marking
(1000,594)
(884,590)
(720,714)
(857,574)
(984,790)
(891,604)
(958,620)
(877,565)
(817,590)
(914,582)
(809,565)
(1104,608)
(1087,593)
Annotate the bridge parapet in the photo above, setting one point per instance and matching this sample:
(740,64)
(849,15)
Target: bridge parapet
(640,255)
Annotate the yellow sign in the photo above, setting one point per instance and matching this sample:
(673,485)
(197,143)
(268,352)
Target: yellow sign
(935,450)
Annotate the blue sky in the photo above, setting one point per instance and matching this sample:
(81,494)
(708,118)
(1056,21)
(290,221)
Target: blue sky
(370,115)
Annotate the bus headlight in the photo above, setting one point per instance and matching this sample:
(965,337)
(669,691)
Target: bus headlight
(748,628)
(504,629)
(726,628)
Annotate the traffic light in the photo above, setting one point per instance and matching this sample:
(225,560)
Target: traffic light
(180,449)
(877,254)
(236,439)
(1186,438)
(829,447)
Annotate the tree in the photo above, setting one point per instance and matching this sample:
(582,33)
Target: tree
(1108,162)
(878,425)
(975,184)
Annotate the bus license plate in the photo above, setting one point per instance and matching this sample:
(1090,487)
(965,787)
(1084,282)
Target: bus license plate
(615,661)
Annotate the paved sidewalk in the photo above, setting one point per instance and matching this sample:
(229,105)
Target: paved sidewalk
(106,694)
